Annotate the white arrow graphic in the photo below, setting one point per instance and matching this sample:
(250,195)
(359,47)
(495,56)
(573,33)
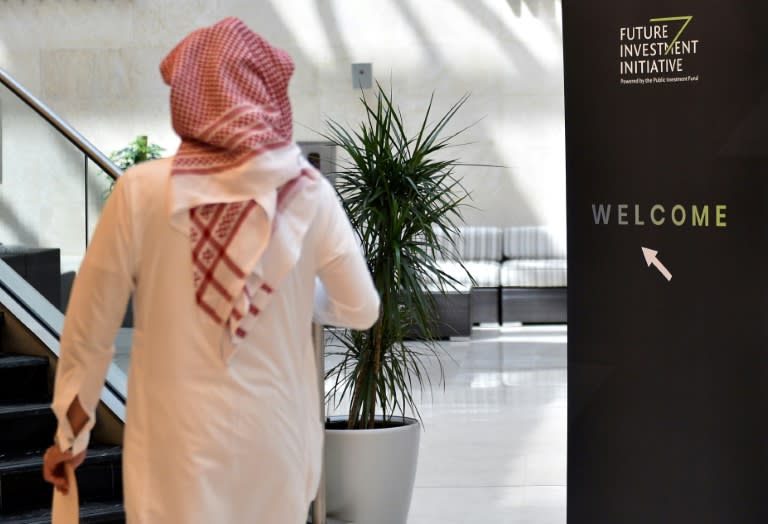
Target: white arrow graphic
(650,258)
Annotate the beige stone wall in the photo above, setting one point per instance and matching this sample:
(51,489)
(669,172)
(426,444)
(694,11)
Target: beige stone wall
(95,62)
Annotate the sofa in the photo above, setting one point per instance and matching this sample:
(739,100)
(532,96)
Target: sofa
(534,276)
(513,274)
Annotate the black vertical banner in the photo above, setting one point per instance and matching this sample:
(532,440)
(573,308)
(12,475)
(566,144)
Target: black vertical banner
(667,184)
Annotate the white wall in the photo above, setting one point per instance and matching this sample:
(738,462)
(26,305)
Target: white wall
(96,64)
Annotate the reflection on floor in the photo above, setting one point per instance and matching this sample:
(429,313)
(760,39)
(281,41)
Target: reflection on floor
(494,446)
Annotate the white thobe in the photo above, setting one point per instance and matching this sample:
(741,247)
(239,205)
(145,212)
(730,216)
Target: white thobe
(207,439)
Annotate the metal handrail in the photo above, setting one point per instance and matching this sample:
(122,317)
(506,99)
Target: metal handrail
(63,127)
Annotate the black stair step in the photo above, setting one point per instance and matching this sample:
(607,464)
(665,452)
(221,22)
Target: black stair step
(22,487)
(94,513)
(23,378)
(26,426)
(20,461)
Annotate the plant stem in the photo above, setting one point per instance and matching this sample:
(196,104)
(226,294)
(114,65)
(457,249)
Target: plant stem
(377,350)
(358,395)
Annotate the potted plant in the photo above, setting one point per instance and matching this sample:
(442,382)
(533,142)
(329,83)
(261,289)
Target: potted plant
(403,199)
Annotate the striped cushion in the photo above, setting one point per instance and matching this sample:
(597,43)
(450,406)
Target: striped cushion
(533,242)
(453,269)
(481,243)
(535,273)
(453,249)
(485,273)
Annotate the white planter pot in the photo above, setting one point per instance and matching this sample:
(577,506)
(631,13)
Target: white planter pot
(369,473)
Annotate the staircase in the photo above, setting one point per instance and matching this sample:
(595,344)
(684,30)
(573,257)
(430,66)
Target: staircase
(27,425)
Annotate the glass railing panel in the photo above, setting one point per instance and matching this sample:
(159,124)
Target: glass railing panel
(42,193)
(51,197)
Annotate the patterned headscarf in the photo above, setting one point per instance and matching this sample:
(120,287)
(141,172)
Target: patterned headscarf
(239,185)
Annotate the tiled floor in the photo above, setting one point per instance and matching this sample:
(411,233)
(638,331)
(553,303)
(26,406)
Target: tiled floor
(494,446)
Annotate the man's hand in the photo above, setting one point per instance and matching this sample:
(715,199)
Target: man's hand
(54,459)
(53,466)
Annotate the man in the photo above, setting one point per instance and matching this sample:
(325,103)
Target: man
(227,247)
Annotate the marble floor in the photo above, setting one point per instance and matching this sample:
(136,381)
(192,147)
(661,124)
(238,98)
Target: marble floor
(494,445)
(493,449)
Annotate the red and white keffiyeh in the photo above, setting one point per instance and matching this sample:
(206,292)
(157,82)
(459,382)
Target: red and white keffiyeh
(239,185)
